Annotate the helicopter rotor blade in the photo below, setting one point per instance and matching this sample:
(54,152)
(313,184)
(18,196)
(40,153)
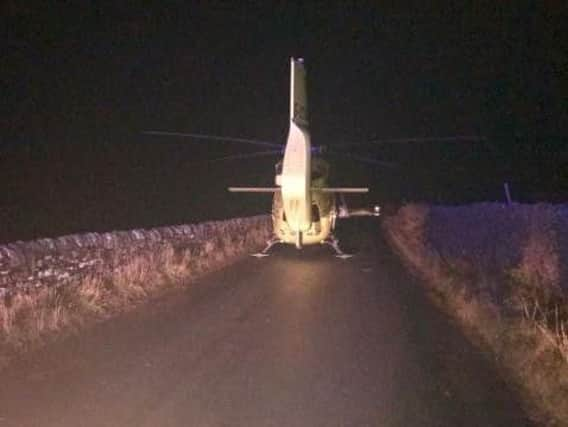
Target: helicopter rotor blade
(245,156)
(456,138)
(212,138)
(363,159)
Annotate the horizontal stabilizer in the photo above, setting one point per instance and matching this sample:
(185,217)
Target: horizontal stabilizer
(364,212)
(341,189)
(254,189)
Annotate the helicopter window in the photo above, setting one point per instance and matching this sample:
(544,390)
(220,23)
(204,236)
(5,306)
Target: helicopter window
(315,213)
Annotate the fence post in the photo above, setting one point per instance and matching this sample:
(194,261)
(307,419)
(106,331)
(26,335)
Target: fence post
(507,193)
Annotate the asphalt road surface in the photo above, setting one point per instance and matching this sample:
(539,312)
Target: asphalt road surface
(296,339)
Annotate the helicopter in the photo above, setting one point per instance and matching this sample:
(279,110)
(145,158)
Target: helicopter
(305,208)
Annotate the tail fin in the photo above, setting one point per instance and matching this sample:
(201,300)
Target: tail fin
(298,95)
(296,166)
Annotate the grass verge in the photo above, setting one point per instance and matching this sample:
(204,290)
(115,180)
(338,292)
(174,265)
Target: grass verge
(517,313)
(34,316)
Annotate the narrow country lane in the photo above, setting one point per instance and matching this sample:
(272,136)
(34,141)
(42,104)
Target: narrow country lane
(296,339)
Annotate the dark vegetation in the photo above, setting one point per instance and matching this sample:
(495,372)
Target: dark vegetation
(500,272)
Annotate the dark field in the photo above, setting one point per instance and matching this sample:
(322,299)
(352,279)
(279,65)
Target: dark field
(63,189)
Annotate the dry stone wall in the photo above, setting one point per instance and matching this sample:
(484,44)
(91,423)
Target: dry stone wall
(27,265)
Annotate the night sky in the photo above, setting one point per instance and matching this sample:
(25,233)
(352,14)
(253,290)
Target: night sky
(79,84)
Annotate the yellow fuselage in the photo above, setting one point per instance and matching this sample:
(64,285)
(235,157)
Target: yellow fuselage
(319,220)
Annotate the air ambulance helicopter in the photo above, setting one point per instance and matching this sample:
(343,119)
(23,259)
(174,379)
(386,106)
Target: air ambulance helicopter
(304,207)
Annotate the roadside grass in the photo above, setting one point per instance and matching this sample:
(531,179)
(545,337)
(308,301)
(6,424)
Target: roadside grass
(32,318)
(517,312)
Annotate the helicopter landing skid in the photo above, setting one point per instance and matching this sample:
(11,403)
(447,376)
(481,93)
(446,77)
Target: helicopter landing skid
(334,243)
(269,244)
